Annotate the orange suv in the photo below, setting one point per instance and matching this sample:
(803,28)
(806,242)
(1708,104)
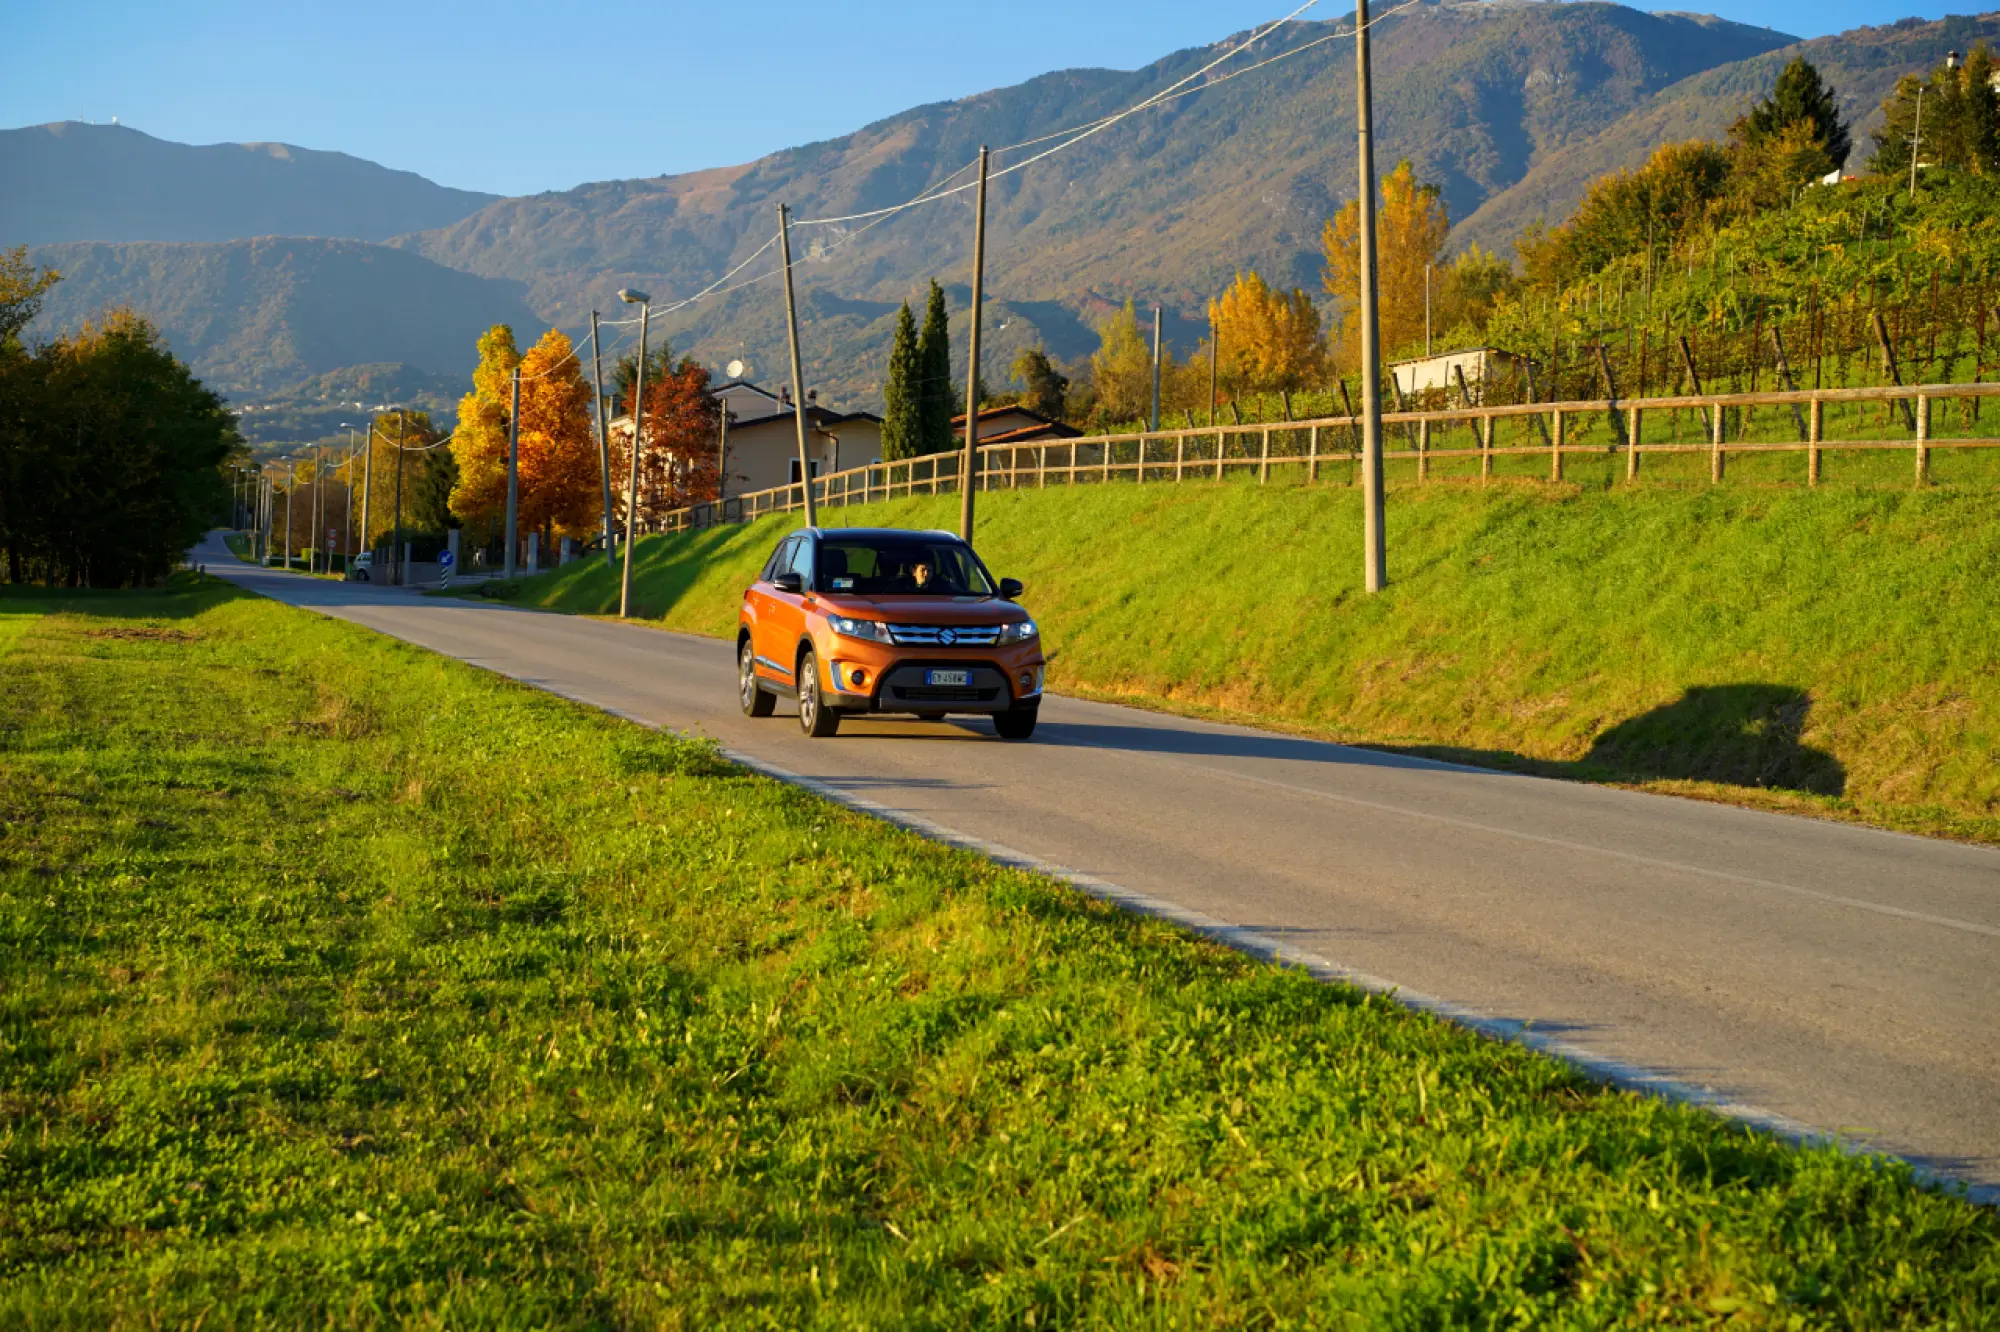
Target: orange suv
(858,620)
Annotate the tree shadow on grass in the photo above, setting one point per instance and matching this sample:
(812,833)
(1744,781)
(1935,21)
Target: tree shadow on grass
(1738,735)
(181,597)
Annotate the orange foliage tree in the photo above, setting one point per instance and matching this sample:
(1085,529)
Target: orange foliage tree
(560,489)
(1268,339)
(557,473)
(677,460)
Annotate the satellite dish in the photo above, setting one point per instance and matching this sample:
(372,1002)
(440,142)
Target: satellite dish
(736,369)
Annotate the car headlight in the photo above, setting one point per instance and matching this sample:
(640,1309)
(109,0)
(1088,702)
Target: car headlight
(1019,632)
(848,627)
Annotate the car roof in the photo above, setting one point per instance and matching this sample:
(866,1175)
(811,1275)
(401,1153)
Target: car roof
(871,532)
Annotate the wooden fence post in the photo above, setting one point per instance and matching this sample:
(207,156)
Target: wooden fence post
(1264,458)
(1180,455)
(1108,447)
(1556,445)
(1221,447)
(1715,445)
(1486,447)
(1312,455)
(1813,435)
(1923,438)
(1632,443)
(1424,450)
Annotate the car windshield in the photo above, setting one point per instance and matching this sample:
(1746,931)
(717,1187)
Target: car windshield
(901,565)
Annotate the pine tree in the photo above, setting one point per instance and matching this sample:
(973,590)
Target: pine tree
(1800,96)
(934,389)
(902,417)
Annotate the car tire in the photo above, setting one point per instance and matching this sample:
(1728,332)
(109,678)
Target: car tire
(757,700)
(1015,723)
(816,719)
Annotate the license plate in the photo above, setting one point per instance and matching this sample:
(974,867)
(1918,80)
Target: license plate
(947,677)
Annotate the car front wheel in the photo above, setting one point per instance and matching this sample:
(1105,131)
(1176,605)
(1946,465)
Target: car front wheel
(815,718)
(757,702)
(1015,723)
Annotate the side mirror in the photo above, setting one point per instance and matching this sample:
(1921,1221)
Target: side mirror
(789,581)
(1011,589)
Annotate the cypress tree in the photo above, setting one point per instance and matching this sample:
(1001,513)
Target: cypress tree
(902,417)
(934,395)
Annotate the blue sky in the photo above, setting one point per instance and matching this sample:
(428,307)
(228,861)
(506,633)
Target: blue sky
(514,96)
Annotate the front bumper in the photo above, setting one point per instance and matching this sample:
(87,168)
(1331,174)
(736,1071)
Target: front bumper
(1000,680)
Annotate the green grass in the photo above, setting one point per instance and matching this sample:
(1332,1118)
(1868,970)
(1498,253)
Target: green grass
(342,984)
(1829,651)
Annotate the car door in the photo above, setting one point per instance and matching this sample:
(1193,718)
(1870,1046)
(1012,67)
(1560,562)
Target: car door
(788,610)
(765,610)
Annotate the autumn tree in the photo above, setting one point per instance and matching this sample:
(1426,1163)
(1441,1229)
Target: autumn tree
(405,440)
(1267,340)
(560,489)
(479,444)
(902,393)
(1629,212)
(678,463)
(1121,369)
(1045,389)
(935,398)
(1410,228)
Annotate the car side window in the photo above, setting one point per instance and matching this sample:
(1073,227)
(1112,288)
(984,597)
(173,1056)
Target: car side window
(781,559)
(802,561)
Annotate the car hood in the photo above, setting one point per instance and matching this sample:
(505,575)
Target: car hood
(924,610)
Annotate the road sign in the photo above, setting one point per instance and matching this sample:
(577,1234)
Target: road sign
(446,559)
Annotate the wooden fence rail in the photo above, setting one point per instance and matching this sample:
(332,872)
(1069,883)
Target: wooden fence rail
(1211,452)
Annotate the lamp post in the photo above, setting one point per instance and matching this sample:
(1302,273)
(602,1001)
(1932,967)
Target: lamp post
(645,304)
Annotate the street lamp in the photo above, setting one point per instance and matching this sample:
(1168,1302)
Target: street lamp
(645,304)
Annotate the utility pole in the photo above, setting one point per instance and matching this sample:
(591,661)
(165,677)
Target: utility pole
(1153,416)
(645,304)
(513,471)
(367,481)
(1214,342)
(347,509)
(798,375)
(1375,559)
(294,470)
(1916,140)
(968,471)
(318,507)
(722,460)
(1427,307)
(400,572)
(603,437)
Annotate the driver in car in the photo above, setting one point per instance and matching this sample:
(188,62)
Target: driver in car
(920,574)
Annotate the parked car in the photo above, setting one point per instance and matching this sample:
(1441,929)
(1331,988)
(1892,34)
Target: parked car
(359,568)
(856,620)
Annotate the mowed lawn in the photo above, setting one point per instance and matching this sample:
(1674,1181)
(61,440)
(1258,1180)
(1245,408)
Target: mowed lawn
(341,984)
(1830,652)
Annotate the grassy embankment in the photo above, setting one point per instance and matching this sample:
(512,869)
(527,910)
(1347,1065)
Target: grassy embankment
(1835,651)
(342,983)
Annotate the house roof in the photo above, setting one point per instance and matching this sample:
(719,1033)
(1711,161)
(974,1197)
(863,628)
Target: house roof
(1445,356)
(1030,433)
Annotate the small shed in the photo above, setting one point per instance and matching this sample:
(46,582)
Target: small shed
(1476,364)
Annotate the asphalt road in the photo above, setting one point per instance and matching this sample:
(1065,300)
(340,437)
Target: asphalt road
(1836,977)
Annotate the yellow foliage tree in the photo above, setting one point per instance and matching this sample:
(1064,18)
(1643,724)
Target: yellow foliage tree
(1410,229)
(1267,340)
(480,442)
(1121,369)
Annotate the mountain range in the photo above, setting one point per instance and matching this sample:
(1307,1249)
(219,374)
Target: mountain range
(1511,106)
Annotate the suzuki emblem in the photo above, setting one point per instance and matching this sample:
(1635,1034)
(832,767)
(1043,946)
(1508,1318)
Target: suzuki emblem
(947,637)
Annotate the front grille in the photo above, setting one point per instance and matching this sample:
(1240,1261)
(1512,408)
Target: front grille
(943,694)
(933,635)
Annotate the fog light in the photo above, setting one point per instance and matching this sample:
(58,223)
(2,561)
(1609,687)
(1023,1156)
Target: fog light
(857,677)
(1027,682)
